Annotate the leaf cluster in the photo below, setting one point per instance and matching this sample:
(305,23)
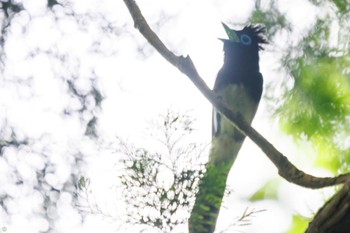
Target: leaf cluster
(159,188)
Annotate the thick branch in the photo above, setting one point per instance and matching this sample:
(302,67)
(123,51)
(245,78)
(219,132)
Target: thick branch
(334,216)
(285,168)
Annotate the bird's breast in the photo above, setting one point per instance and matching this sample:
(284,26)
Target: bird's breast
(239,99)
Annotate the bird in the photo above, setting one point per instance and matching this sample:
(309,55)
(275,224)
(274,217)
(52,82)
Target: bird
(239,84)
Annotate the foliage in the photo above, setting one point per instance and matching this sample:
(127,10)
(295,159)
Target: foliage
(299,224)
(316,102)
(317,109)
(159,188)
(316,106)
(270,17)
(50,100)
(267,191)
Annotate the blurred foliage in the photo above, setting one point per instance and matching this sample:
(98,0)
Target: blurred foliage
(299,224)
(317,105)
(40,161)
(270,17)
(317,108)
(267,191)
(10,7)
(341,5)
(159,187)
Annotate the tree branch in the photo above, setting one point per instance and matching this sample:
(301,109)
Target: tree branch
(334,216)
(285,168)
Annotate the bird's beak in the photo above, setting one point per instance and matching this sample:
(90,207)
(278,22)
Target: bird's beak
(232,34)
(223,40)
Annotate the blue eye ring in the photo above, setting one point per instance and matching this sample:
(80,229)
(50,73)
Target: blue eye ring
(246,40)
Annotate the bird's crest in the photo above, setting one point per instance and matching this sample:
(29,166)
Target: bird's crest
(249,34)
(258,32)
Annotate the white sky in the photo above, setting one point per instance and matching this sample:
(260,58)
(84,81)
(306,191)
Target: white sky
(136,90)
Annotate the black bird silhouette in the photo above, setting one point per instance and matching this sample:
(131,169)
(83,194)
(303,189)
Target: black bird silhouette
(239,83)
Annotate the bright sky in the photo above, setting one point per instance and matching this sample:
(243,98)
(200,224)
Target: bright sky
(136,90)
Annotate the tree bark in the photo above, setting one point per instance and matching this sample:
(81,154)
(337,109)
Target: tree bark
(334,216)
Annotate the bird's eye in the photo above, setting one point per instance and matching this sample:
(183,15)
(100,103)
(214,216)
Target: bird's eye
(245,39)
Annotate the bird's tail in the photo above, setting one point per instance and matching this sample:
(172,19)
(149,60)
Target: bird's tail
(212,186)
(208,199)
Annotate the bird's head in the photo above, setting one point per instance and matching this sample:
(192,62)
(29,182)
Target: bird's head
(244,44)
(249,36)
